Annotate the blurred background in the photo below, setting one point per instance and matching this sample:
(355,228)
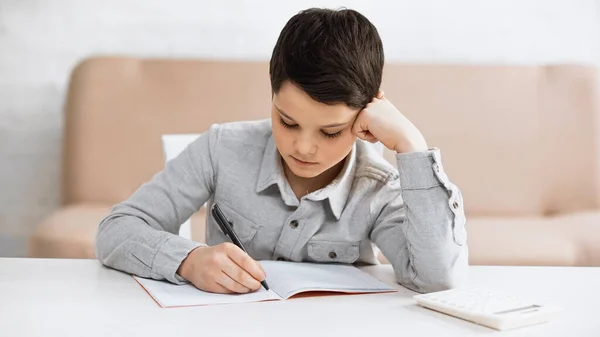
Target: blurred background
(41,42)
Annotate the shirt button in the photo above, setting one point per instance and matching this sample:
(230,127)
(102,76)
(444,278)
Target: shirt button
(294,224)
(455,205)
(332,255)
(280,259)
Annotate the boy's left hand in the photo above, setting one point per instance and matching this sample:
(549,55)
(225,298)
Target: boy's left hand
(381,121)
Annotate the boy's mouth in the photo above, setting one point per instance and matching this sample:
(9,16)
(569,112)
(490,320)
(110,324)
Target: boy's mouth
(302,162)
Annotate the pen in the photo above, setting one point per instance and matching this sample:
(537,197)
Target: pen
(226,228)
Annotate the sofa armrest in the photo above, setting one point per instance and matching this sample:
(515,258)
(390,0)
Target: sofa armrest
(70,232)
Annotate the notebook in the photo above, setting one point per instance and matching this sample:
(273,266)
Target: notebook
(286,280)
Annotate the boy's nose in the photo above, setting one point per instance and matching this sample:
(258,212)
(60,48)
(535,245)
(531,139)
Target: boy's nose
(305,145)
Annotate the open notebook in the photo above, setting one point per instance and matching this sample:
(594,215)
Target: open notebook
(285,279)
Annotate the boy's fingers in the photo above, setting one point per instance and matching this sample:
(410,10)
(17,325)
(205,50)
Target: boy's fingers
(358,130)
(363,134)
(369,137)
(234,271)
(219,289)
(357,134)
(227,282)
(246,263)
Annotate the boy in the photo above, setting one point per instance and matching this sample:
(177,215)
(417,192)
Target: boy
(300,186)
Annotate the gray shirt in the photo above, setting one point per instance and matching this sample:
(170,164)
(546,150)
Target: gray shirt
(414,214)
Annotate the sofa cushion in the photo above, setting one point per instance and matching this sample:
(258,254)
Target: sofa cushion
(568,240)
(565,240)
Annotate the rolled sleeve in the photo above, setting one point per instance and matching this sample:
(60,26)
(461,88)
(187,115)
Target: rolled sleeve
(420,226)
(169,258)
(415,170)
(424,170)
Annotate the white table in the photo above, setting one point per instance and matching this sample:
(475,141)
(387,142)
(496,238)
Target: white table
(48,297)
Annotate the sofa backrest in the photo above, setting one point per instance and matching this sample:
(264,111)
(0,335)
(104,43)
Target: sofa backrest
(118,109)
(517,140)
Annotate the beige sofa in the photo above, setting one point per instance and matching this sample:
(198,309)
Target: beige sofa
(522,142)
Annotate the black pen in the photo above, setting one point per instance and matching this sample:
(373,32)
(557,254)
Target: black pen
(226,228)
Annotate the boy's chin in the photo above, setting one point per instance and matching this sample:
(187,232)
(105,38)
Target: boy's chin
(305,173)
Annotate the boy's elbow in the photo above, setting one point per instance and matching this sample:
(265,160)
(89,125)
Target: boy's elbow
(102,243)
(445,281)
(444,278)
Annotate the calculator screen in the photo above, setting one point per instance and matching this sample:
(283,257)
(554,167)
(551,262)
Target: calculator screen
(522,310)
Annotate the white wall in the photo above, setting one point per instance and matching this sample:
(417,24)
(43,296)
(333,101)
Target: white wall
(41,41)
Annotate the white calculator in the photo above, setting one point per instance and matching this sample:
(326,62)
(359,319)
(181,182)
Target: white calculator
(488,308)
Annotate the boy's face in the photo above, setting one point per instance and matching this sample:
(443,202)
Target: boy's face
(311,137)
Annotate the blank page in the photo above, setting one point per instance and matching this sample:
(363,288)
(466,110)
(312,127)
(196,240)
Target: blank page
(290,278)
(167,294)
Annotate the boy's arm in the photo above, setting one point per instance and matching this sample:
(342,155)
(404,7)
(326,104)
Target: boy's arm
(140,235)
(420,224)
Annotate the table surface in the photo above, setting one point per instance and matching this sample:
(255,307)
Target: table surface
(62,297)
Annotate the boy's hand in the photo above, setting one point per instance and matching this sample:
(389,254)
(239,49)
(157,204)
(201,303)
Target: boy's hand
(381,121)
(224,268)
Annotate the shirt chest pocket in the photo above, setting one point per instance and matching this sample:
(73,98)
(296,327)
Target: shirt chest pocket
(244,228)
(333,251)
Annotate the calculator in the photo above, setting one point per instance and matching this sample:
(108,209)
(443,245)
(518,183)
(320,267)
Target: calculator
(488,308)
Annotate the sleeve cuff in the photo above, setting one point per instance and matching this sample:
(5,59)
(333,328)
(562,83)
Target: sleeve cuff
(420,170)
(180,280)
(169,258)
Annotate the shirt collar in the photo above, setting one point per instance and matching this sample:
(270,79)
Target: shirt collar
(337,192)
(271,173)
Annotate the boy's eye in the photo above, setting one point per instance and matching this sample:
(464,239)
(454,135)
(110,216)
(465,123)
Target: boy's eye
(286,125)
(295,126)
(331,135)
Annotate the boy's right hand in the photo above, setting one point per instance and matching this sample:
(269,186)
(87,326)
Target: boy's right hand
(224,268)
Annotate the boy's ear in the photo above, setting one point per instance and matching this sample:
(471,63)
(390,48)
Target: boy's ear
(380,94)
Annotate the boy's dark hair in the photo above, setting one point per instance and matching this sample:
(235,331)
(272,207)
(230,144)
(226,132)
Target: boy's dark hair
(335,56)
